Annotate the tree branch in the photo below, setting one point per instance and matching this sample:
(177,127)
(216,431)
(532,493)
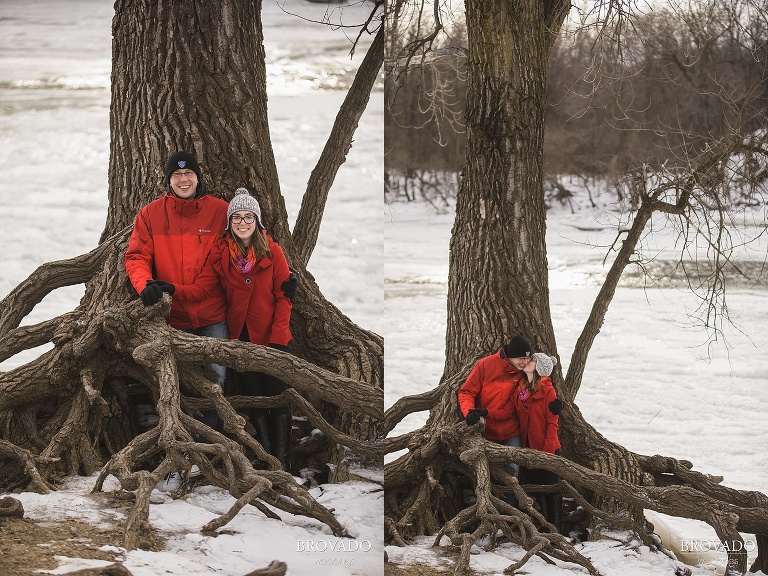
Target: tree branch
(600,307)
(299,374)
(650,202)
(26,337)
(52,275)
(307,227)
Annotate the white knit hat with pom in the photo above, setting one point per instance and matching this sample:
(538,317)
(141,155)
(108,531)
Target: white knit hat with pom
(242,200)
(544,363)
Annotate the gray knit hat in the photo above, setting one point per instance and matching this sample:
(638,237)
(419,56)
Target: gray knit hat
(544,363)
(242,200)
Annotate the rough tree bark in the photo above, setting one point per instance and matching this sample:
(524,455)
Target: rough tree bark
(498,287)
(495,290)
(188,76)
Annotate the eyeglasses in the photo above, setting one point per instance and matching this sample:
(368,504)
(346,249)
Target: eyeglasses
(248,219)
(179,174)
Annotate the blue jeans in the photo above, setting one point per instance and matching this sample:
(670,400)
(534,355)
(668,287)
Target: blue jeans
(514,469)
(210,417)
(515,441)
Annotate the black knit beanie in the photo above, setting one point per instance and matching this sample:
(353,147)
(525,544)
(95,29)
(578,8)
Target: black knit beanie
(518,347)
(181,160)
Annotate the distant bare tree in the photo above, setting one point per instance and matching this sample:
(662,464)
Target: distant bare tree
(682,74)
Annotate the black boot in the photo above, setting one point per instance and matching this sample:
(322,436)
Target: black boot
(261,424)
(554,507)
(541,500)
(280,424)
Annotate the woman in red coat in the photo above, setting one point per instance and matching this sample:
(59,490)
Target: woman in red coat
(251,269)
(538,427)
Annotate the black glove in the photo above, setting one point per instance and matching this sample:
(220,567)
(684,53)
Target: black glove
(556,406)
(473,416)
(290,286)
(153,291)
(279,347)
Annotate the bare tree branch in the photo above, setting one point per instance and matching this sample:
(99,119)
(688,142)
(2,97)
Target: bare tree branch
(307,227)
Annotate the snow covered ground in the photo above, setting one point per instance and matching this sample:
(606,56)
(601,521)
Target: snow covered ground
(649,383)
(250,541)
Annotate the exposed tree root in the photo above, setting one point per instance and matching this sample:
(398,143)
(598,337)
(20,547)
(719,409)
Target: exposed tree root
(424,490)
(11,508)
(275,568)
(30,463)
(108,351)
(491,514)
(115,569)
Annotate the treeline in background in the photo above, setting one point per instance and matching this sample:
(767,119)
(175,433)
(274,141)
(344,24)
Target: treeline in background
(679,82)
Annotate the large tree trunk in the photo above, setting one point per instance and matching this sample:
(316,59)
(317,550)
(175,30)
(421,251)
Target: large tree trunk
(498,279)
(497,284)
(175,88)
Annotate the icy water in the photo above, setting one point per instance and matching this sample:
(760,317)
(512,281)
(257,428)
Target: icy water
(55,61)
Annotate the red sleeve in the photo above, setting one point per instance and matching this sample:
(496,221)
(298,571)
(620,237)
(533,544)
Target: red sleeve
(508,410)
(470,389)
(281,325)
(140,254)
(207,282)
(551,442)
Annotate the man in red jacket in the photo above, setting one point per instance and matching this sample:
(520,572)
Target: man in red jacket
(487,393)
(169,244)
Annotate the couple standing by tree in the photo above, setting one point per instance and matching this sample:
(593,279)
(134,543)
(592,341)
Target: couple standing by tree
(228,278)
(512,390)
